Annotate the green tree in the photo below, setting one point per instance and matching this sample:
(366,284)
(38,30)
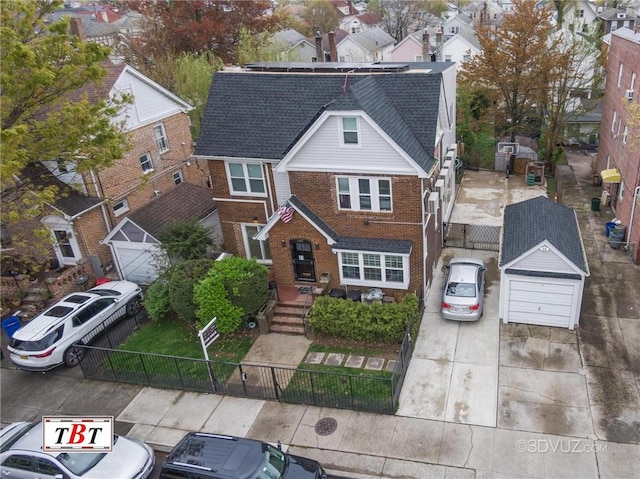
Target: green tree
(42,116)
(186,240)
(321,16)
(234,289)
(184,277)
(515,64)
(401,17)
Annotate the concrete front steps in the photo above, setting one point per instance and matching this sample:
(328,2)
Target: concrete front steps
(287,318)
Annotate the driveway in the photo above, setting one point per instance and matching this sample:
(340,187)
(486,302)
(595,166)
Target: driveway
(583,383)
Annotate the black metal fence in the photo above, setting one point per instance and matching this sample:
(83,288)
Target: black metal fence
(483,237)
(291,385)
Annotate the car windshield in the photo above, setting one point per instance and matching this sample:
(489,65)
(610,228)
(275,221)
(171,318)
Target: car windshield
(461,290)
(80,462)
(274,464)
(39,345)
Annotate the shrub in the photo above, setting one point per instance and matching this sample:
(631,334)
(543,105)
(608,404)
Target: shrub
(156,299)
(234,289)
(378,322)
(185,240)
(184,276)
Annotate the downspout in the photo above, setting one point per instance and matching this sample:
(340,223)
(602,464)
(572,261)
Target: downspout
(633,211)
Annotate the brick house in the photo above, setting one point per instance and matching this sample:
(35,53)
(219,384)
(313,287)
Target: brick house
(334,171)
(96,201)
(618,160)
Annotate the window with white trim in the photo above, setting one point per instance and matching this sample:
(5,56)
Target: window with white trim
(384,270)
(624,134)
(621,189)
(613,122)
(120,207)
(581,13)
(145,163)
(349,130)
(177,177)
(447,58)
(255,248)
(633,82)
(620,69)
(364,194)
(419,58)
(246,179)
(161,138)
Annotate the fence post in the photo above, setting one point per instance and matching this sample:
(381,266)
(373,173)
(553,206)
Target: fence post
(175,360)
(146,374)
(275,382)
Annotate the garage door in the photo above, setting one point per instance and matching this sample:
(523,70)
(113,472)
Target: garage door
(544,303)
(137,264)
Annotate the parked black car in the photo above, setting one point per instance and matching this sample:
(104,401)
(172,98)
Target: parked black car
(214,456)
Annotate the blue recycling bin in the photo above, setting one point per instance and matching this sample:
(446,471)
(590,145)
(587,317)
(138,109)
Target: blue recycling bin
(609,226)
(11,325)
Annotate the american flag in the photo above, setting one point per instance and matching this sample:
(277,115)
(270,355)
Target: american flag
(286,213)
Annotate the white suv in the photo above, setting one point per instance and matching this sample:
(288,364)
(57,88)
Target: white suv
(50,339)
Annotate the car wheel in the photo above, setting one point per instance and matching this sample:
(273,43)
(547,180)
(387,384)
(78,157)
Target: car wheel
(73,356)
(134,306)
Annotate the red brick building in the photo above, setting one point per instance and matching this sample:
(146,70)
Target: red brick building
(332,170)
(619,149)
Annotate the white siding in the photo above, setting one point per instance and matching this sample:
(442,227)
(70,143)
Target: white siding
(545,303)
(283,188)
(543,261)
(150,104)
(322,152)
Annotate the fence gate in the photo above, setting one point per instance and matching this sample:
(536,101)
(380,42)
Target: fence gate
(484,237)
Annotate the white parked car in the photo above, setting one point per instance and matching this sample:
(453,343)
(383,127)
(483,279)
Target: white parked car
(21,457)
(49,339)
(462,297)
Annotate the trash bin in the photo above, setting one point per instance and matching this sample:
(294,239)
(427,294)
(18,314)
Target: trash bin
(595,204)
(616,238)
(354,295)
(338,293)
(11,325)
(608,227)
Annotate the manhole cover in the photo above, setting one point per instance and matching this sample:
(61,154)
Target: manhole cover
(326,426)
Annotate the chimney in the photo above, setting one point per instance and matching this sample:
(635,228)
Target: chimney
(333,52)
(319,49)
(426,47)
(75,25)
(439,43)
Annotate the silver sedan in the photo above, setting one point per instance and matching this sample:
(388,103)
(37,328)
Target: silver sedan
(463,289)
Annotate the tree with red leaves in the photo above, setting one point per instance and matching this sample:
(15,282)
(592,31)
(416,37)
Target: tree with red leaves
(196,26)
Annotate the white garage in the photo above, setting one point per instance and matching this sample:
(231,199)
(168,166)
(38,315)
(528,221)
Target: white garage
(134,241)
(543,264)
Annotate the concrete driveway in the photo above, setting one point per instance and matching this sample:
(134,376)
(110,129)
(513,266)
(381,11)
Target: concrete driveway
(583,383)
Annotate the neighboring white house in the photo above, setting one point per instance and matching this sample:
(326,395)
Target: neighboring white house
(453,25)
(293,46)
(461,47)
(373,45)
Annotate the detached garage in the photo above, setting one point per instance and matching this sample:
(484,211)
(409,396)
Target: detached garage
(134,241)
(542,264)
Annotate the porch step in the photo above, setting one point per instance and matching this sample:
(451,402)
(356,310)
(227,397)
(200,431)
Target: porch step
(289,309)
(36,296)
(285,328)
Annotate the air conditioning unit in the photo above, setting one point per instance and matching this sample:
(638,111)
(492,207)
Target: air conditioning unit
(433,202)
(629,94)
(440,186)
(444,173)
(605,198)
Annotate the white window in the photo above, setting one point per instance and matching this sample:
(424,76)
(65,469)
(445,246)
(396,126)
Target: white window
(620,74)
(633,82)
(349,130)
(374,269)
(624,134)
(254,248)
(161,138)
(613,122)
(246,179)
(364,194)
(419,58)
(621,190)
(120,207)
(145,163)
(177,177)
(447,58)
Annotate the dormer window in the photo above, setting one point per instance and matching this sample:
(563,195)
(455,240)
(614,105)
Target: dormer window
(349,130)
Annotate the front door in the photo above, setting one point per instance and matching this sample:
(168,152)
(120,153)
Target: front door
(303,264)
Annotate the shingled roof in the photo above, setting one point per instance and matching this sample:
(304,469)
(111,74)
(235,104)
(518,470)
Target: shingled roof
(186,202)
(528,223)
(262,115)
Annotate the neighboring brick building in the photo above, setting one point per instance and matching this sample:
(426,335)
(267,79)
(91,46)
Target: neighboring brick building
(619,149)
(95,202)
(334,168)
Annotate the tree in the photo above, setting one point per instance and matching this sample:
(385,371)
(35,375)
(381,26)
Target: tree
(197,26)
(262,48)
(184,277)
(42,116)
(321,16)
(515,63)
(186,240)
(402,17)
